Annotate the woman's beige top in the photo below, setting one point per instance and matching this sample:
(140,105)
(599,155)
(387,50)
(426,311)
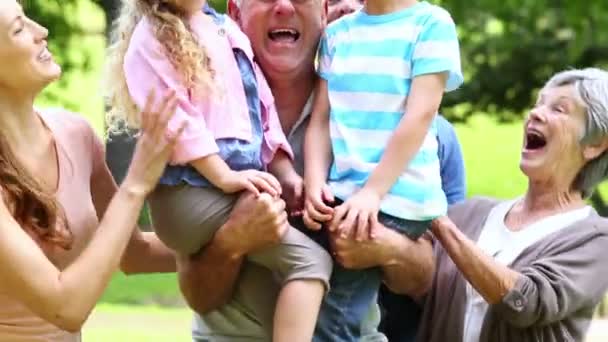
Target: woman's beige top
(84,179)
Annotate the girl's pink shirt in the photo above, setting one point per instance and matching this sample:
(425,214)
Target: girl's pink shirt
(225,114)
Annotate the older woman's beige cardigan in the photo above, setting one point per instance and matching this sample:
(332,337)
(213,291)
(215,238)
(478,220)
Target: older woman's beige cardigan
(564,276)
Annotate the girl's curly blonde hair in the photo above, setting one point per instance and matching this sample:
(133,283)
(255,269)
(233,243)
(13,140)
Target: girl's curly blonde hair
(182,48)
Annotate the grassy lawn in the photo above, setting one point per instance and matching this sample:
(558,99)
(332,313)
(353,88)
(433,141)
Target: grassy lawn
(160,289)
(491,153)
(121,323)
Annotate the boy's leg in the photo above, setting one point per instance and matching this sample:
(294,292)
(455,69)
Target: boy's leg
(411,229)
(346,304)
(402,314)
(370,325)
(304,269)
(352,291)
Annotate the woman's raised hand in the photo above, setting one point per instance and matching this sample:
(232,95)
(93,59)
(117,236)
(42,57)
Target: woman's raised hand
(154,144)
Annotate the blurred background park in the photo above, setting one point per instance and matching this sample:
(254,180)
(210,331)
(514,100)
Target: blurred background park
(509,48)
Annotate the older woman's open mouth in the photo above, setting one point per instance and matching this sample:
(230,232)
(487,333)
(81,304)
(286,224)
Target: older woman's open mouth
(535,140)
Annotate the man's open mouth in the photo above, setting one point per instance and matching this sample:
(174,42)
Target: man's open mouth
(284,35)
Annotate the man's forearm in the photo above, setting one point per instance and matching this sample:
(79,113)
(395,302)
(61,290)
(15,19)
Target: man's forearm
(207,279)
(281,166)
(147,254)
(412,266)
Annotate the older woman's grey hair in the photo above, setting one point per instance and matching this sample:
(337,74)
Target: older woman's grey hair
(591,86)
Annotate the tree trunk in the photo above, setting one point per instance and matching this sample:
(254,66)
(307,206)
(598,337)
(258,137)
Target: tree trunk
(119,147)
(110,8)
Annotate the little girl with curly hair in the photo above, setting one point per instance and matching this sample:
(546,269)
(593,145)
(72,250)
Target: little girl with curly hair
(232,142)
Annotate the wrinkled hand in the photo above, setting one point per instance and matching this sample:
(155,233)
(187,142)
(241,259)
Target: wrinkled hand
(358,216)
(251,180)
(354,254)
(154,144)
(315,209)
(293,193)
(255,223)
(441,223)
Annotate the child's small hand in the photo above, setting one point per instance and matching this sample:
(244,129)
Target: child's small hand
(315,209)
(360,212)
(293,193)
(251,180)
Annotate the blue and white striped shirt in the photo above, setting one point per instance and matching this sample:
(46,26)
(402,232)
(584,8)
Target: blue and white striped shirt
(369,62)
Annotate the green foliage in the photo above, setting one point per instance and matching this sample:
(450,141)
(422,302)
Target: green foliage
(509,48)
(491,154)
(76,38)
(122,323)
(219,5)
(143,290)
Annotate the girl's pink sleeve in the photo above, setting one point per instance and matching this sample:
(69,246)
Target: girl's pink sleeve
(147,68)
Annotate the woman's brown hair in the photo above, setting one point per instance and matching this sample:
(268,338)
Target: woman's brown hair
(33,207)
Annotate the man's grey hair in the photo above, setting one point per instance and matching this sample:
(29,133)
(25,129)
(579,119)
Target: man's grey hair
(591,86)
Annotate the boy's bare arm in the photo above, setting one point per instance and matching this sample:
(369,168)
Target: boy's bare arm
(317,144)
(317,151)
(422,105)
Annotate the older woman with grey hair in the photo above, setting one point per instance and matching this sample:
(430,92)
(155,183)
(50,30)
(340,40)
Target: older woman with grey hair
(533,268)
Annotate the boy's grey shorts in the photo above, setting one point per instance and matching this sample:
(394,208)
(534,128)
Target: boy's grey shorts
(186,217)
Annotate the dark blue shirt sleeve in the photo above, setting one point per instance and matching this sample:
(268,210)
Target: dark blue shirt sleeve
(452,164)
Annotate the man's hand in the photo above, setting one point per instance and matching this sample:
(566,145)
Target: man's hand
(441,223)
(353,254)
(408,266)
(255,223)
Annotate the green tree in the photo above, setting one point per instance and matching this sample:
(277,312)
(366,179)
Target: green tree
(509,48)
(76,31)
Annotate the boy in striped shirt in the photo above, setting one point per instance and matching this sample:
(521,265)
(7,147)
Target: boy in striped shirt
(383,72)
